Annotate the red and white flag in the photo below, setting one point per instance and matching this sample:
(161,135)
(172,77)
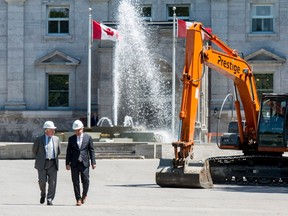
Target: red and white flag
(103,32)
(183,26)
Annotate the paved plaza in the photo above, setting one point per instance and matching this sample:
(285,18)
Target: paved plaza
(127,187)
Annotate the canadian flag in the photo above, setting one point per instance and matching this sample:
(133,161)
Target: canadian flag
(183,26)
(103,32)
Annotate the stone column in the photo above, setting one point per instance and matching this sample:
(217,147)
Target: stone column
(15,55)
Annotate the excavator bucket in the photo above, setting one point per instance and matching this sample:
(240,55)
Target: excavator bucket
(191,175)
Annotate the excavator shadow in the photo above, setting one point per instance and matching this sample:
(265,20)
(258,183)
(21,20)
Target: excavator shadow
(135,185)
(249,189)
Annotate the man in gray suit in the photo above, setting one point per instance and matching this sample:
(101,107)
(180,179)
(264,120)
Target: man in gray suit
(79,152)
(46,149)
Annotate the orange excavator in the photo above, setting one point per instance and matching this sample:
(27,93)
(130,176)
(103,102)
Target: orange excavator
(263,138)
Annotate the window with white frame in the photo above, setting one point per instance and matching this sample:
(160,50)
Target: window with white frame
(58,20)
(146,12)
(262,18)
(182,12)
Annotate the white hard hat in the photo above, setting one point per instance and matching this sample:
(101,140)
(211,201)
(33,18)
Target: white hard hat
(49,125)
(77,124)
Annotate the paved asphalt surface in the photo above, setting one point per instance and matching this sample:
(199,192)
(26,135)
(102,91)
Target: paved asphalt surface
(127,187)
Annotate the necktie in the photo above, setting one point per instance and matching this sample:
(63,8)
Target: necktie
(79,144)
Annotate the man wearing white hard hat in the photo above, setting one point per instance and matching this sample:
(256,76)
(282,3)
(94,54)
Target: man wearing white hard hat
(80,152)
(46,149)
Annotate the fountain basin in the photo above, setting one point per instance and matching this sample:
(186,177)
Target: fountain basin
(139,136)
(113,132)
(119,133)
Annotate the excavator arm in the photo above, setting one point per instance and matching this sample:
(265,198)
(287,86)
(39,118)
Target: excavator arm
(191,78)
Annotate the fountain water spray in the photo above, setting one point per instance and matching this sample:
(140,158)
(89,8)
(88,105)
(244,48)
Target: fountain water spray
(102,120)
(139,91)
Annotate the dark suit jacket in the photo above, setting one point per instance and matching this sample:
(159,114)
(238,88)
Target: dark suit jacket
(38,150)
(87,151)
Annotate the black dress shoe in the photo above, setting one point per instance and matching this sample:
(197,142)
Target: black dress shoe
(42,200)
(49,202)
(83,199)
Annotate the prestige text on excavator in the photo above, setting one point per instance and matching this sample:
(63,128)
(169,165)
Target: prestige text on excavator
(263,138)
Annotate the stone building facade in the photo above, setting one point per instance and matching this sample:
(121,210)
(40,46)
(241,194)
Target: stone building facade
(44,56)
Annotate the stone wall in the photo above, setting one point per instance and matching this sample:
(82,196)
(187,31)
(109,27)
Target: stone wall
(102,150)
(24,126)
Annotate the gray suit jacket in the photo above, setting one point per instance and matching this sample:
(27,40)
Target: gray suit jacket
(40,153)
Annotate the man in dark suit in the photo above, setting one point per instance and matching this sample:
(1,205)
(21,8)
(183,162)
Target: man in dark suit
(79,152)
(46,149)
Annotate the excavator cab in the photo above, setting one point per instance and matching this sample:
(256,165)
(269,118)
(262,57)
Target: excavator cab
(263,161)
(272,130)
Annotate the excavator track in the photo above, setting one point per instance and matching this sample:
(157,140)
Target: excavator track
(249,170)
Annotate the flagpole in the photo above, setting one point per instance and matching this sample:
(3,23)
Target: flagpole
(89,70)
(173,73)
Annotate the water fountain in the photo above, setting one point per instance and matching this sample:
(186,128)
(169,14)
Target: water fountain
(102,120)
(139,89)
(128,121)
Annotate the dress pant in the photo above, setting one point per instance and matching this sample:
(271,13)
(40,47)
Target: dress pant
(83,171)
(49,173)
